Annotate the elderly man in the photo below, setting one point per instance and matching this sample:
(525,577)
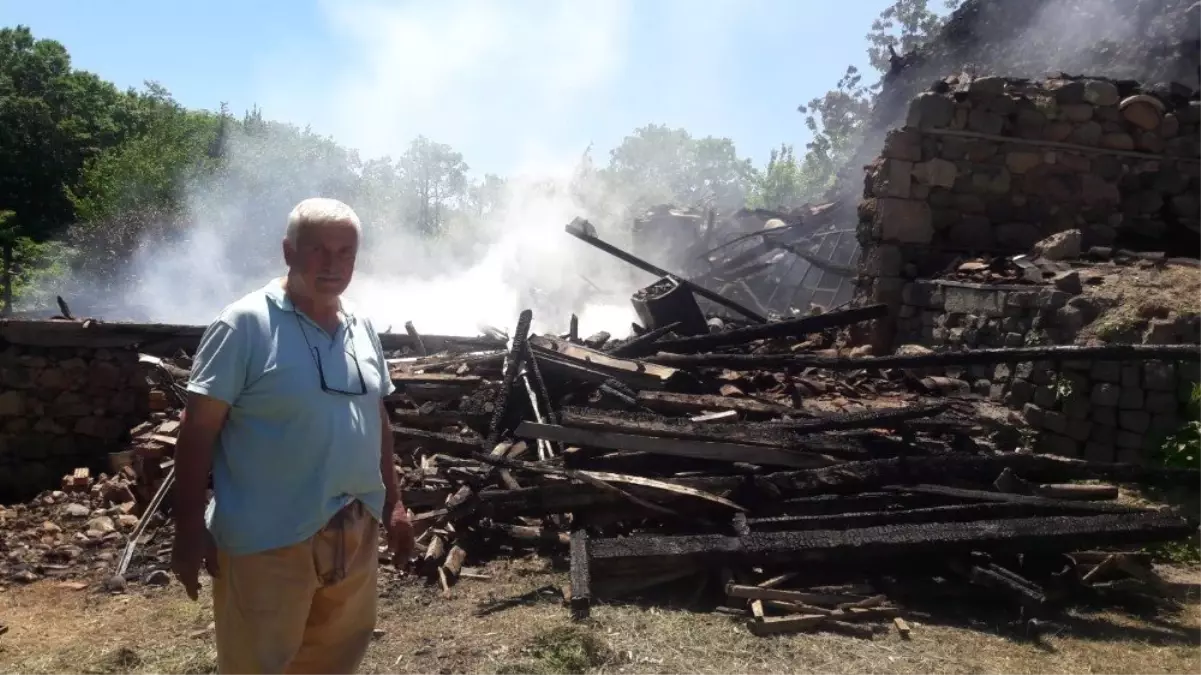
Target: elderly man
(286,409)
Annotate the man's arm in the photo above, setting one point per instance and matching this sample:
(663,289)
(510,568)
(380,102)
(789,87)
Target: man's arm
(387,462)
(217,379)
(202,422)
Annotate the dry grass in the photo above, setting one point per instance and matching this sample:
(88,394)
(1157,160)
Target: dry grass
(1135,295)
(56,629)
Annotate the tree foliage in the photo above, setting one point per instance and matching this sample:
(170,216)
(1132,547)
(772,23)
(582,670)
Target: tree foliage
(90,173)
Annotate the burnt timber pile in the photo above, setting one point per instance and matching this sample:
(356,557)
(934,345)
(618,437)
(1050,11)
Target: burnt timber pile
(768,469)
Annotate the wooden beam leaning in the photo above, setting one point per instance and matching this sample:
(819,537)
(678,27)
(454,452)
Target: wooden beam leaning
(721,451)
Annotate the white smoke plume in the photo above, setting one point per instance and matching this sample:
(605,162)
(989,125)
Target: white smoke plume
(449,71)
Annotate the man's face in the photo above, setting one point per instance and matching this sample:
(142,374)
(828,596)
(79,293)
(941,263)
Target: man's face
(324,257)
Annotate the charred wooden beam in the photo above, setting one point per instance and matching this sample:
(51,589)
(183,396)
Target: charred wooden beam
(418,343)
(859,545)
(581,575)
(775,330)
(724,451)
(517,353)
(980,470)
(954,513)
(671,402)
(433,441)
(637,374)
(1062,505)
(883,418)
(436,420)
(644,344)
(957,358)
(584,231)
(666,427)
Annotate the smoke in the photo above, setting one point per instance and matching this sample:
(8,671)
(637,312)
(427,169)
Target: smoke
(452,72)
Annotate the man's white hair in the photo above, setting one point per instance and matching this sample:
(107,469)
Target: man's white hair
(320,211)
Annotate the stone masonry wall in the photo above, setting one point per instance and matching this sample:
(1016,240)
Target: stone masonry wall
(62,408)
(1103,411)
(993,165)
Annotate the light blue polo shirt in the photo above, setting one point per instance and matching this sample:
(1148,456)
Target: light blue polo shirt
(290,455)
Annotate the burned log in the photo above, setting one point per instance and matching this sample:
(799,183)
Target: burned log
(862,545)
(775,330)
(584,231)
(1131,352)
(637,374)
(724,451)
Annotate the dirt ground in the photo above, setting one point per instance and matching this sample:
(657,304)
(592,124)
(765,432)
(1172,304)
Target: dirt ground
(53,627)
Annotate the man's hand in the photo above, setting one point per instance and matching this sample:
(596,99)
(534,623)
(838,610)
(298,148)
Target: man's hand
(400,534)
(192,548)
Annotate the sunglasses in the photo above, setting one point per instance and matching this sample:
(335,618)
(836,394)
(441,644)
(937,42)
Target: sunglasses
(321,370)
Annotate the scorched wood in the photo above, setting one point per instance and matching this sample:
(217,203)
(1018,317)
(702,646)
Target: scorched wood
(728,452)
(871,544)
(670,402)
(981,470)
(775,330)
(584,231)
(954,358)
(432,441)
(636,374)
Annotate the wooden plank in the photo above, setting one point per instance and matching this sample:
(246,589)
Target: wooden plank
(432,441)
(622,369)
(721,451)
(673,403)
(763,593)
(663,485)
(581,576)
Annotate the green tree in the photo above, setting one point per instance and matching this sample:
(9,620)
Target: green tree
(657,165)
(150,170)
(837,118)
(52,120)
(780,185)
(434,178)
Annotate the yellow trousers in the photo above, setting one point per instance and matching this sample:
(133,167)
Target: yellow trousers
(305,608)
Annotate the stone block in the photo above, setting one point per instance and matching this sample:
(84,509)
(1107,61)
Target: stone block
(1033,415)
(974,301)
(903,144)
(1159,376)
(1099,451)
(1161,403)
(1131,398)
(893,178)
(1137,421)
(1021,392)
(1045,396)
(1077,406)
(1056,421)
(1129,440)
(1131,375)
(1056,444)
(1104,414)
(1079,429)
(936,172)
(883,260)
(930,111)
(1020,161)
(904,220)
(1107,371)
(1129,456)
(1164,424)
(1106,394)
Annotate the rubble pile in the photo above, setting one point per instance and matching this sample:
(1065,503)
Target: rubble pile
(83,531)
(729,460)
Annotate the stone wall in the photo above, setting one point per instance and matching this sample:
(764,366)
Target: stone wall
(1103,411)
(993,165)
(62,408)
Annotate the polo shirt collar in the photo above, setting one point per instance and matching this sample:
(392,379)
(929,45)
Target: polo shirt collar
(274,290)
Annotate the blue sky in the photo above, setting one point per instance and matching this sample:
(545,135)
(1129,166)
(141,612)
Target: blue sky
(512,85)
